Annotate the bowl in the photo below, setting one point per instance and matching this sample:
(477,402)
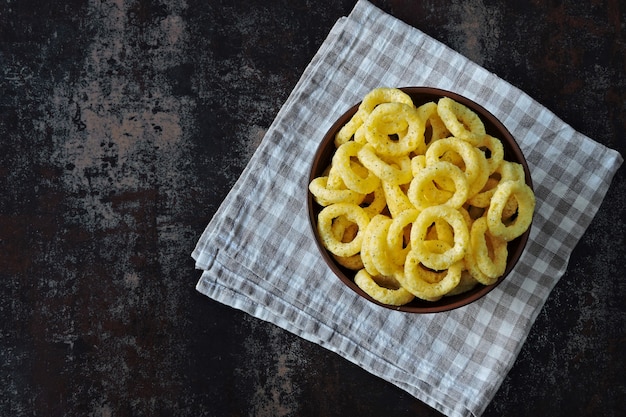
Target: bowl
(512,152)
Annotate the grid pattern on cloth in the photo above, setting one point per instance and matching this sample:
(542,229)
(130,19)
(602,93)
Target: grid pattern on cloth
(257,254)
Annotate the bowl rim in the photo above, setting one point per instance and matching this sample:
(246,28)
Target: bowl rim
(447,303)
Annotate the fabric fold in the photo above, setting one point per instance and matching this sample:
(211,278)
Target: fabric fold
(258,255)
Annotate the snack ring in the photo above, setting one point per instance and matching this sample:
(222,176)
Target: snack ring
(428,285)
(326,196)
(352,179)
(370,101)
(397,241)
(525,208)
(398,171)
(433,259)
(399,120)
(376,243)
(331,241)
(422,187)
(490,252)
(462,122)
(473,161)
(391,296)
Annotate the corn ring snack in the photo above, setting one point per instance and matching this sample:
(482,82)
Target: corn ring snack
(325,196)
(370,101)
(462,122)
(397,243)
(418,162)
(380,292)
(471,266)
(375,202)
(330,240)
(399,120)
(490,252)
(466,283)
(419,281)
(506,171)
(398,171)
(418,193)
(352,179)
(525,208)
(496,152)
(348,131)
(433,259)
(382,95)
(345,231)
(334,179)
(397,200)
(474,162)
(434,128)
(366,253)
(378,230)
(353,262)
(441,230)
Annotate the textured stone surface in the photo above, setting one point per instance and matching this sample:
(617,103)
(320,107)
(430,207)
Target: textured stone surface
(125,123)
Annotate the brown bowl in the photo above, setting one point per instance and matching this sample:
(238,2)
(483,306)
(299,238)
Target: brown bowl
(512,152)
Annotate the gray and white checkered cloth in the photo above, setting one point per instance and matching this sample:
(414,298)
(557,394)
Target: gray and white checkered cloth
(258,253)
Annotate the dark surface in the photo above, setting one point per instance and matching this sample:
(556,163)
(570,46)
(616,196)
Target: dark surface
(124,124)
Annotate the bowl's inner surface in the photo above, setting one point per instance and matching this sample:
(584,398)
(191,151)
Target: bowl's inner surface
(512,152)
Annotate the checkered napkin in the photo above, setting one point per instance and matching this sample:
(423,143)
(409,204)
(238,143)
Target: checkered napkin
(258,253)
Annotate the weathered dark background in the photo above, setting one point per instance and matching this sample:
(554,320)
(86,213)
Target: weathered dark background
(123,124)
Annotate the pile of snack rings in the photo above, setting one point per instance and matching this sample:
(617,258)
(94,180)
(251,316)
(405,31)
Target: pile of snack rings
(419,201)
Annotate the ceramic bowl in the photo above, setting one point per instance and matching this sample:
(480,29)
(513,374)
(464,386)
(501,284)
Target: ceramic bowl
(512,152)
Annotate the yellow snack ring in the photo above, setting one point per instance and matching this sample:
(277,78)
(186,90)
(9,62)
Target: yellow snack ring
(419,281)
(506,171)
(472,268)
(396,172)
(397,119)
(418,163)
(345,231)
(441,230)
(367,250)
(490,252)
(525,209)
(496,152)
(391,296)
(375,202)
(396,242)
(422,183)
(397,201)
(378,230)
(483,198)
(462,122)
(330,239)
(382,95)
(370,101)
(511,171)
(434,128)
(348,130)
(342,163)
(473,162)
(466,283)
(353,262)
(431,259)
(325,195)
(359,135)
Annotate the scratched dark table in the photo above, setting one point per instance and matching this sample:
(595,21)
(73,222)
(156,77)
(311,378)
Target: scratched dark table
(123,125)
